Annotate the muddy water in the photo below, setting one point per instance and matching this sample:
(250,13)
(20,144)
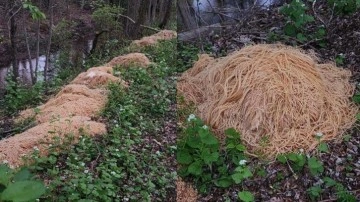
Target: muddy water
(205,15)
(24,65)
(24,70)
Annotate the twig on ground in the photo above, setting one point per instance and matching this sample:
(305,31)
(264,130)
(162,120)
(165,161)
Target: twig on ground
(292,171)
(316,15)
(9,132)
(95,162)
(157,142)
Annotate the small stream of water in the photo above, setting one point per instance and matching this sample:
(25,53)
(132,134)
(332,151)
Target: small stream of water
(24,65)
(24,70)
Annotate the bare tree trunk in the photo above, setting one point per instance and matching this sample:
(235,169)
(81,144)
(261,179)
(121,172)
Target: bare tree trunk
(153,11)
(12,34)
(161,8)
(166,18)
(131,11)
(136,32)
(29,56)
(37,49)
(185,15)
(148,16)
(51,6)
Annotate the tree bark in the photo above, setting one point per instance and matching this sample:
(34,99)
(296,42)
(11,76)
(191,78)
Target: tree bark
(13,28)
(29,56)
(167,15)
(37,49)
(185,15)
(141,18)
(51,7)
(153,11)
(132,12)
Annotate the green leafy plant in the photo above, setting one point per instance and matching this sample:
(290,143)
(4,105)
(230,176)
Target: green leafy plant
(35,12)
(329,182)
(315,166)
(187,55)
(19,185)
(198,152)
(319,36)
(246,196)
(314,192)
(344,7)
(339,59)
(235,152)
(234,147)
(343,195)
(297,161)
(356,98)
(261,172)
(273,36)
(200,157)
(297,19)
(105,17)
(323,147)
(18,97)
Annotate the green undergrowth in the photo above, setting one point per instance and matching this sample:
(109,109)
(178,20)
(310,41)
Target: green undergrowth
(201,158)
(130,163)
(211,167)
(18,97)
(19,185)
(18,127)
(187,55)
(304,26)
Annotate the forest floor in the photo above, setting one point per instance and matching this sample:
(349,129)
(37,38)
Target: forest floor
(342,161)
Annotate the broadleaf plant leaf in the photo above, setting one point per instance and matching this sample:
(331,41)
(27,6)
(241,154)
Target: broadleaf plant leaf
(246,196)
(183,157)
(195,168)
(23,191)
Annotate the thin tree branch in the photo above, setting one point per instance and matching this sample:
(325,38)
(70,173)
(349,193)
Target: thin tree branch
(11,11)
(316,15)
(133,21)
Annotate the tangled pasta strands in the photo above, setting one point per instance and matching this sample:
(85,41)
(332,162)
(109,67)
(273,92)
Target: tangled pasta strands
(277,96)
